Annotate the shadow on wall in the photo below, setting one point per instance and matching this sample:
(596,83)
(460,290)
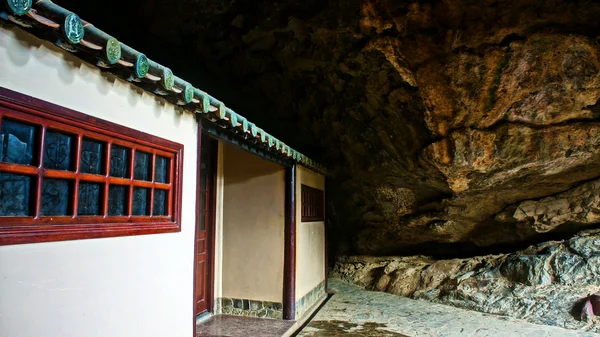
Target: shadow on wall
(254,167)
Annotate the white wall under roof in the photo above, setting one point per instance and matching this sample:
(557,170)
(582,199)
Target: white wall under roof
(310,238)
(127,286)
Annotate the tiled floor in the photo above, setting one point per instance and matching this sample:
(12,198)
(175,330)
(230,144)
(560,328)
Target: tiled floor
(238,326)
(356,312)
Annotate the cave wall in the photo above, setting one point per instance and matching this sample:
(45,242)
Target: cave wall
(458,124)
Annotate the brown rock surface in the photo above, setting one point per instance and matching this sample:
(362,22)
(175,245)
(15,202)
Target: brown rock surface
(438,118)
(544,284)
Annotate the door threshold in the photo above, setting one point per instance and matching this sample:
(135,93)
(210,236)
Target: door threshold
(203,317)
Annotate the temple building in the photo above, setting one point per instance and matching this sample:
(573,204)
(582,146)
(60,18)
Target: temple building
(135,204)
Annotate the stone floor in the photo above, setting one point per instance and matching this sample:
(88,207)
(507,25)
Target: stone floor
(239,326)
(354,312)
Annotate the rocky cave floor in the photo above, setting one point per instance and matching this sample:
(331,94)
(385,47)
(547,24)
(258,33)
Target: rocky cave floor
(355,312)
(553,283)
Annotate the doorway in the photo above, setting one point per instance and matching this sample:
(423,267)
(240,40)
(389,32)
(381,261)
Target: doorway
(205,220)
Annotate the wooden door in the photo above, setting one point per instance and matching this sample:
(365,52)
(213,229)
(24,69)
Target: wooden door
(205,211)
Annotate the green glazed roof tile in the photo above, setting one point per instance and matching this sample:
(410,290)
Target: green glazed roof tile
(19,7)
(167,79)
(245,125)
(188,93)
(141,66)
(253,130)
(233,119)
(221,111)
(117,53)
(112,50)
(73,28)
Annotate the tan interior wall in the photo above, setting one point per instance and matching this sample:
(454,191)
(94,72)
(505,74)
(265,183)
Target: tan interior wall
(253,226)
(126,286)
(310,238)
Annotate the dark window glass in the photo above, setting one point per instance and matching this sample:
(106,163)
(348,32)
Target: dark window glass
(162,170)
(89,199)
(203,180)
(117,200)
(92,157)
(58,151)
(17,141)
(119,162)
(142,168)
(65,176)
(14,194)
(312,204)
(202,225)
(203,201)
(55,197)
(141,201)
(160,202)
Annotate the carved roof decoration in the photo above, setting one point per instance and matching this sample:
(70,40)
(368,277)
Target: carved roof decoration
(51,22)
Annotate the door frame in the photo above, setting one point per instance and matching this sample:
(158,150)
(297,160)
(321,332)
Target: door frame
(210,226)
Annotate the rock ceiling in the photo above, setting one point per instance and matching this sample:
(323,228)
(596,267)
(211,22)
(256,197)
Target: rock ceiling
(466,123)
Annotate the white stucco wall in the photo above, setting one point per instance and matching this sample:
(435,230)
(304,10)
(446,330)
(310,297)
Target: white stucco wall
(253,226)
(127,286)
(310,238)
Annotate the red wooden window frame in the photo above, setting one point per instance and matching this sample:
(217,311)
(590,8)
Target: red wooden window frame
(47,116)
(313,204)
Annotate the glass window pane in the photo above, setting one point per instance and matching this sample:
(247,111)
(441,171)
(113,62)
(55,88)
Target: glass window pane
(202,225)
(17,141)
(119,162)
(58,151)
(142,166)
(203,180)
(160,202)
(56,197)
(141,201)
(15,191)
(89,199)
(203,201)
(92,157)
(117,200)
(161,170)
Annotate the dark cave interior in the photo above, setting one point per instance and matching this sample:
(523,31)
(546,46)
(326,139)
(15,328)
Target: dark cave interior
(439,119)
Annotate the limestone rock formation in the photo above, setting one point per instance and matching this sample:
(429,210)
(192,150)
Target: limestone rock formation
(544,284)
(444,122)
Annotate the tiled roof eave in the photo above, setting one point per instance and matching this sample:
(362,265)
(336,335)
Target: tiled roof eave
(51,22)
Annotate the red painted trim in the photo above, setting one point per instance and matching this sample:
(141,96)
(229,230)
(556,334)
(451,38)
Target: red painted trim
(210,226)
(289,268)
(198,151)
(20,230)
